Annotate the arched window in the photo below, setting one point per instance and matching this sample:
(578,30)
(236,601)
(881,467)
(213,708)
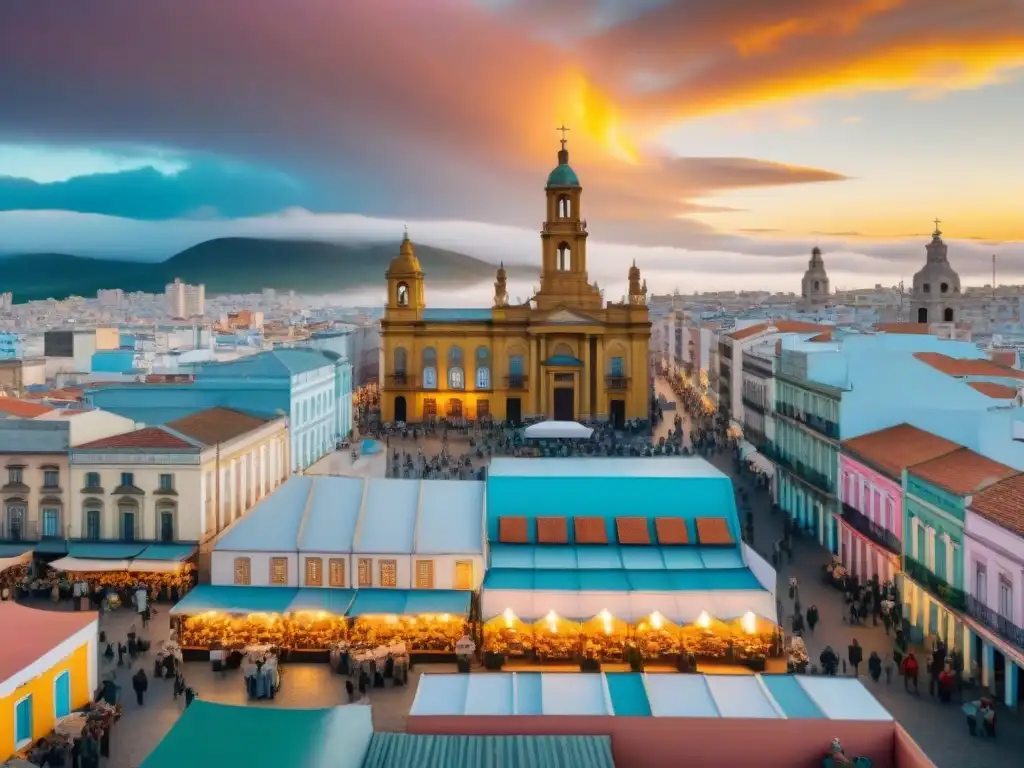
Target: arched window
(93,525)
(922,315)
(429,368)
(947,315)
(456,373)
(402,294)
(483,368)
(563,350)
(944,288)
(16,513)
(817,285)
(165,523)
(927,288)
(564,257)
(564,207)
(400,360)
(128,511)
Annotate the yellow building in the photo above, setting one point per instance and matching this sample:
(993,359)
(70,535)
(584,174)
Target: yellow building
(565,354)
(48,669)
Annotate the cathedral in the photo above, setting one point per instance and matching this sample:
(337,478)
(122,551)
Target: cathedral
(564,354)
(936,297)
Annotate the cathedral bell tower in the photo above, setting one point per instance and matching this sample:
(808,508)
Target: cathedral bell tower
(563,278)
(405,284)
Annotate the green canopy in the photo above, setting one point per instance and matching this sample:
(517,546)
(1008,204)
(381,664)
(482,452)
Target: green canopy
(388,750)
(211,735)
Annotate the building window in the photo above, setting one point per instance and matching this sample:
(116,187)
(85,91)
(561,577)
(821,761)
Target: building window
(878,505)
(981,584)
(403,295)
(400,360)
(166,482)
(128,479)
(51,523)
(279,570)
(389,573)
(314,572)
(336,568)
(429,408)
(128,521)
(429,368)
(23,728)
(483,378)
(365,572)
(243,572)
(483,409)
(51,478)
(456,375)
(165,521)
(92,479)
(14,475)
(618,366)
(424,574)
(1005,599)
(463,574)
(92,524)
(889,515)
(483,368)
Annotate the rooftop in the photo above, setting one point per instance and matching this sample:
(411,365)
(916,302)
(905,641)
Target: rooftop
(916,329)
(27,635)
(962,472)
(457,315)
(952,366)
(216,425)
(759,697)
(894,449)
(275,363)
(993,390)
(22,409)
(665,466)
(1003,504)
(147,438)
(780,326)
(273,524)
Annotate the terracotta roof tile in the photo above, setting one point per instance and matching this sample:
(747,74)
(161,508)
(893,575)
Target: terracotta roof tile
(1003,504)
(893,449)
(28,634)
(962,472)
(512,530)
(590,530)
(552,530)
(671,530)
(216,425)
(154,438)
(993,390)
(1007,357)
(952,366)
(22,409)
(824,336)
(919,329)
(713,530)
(633,530)
(750,330)
(799,326)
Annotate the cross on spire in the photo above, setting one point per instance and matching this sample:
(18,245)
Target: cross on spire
(564,130)
(937,222)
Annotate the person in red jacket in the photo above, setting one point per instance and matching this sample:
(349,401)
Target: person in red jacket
(910,669)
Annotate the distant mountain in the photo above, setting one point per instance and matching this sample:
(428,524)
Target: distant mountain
(238,265)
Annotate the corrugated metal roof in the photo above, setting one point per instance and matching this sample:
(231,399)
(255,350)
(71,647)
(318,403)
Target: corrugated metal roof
(451,518)
(428,751)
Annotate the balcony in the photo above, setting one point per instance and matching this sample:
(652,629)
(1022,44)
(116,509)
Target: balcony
(754,405)
(995,621)
(27,530)
(824,427)
(935,585)
(400,380)
(616,383)
(864,525)
(516,382)
(809,475)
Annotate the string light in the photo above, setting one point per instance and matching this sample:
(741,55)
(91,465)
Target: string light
(704,621)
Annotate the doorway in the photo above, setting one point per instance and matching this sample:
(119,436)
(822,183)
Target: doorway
(400,408)
(127,526)
(565,406)
(922,315)
(617,414)
(166,525)
(514,410)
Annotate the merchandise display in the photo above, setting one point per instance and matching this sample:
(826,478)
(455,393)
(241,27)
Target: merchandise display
(433,633)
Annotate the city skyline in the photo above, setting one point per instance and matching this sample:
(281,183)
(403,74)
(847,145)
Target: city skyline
(711,141)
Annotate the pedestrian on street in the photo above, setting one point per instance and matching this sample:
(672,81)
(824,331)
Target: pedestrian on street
(812,617)
(875,666)
(140,683)
(887,665)
(856,655)
(910,671)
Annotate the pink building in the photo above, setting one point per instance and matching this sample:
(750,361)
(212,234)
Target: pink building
(871,491)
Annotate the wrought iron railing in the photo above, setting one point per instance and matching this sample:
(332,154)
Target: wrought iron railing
(995,621)
(754,405)
(812,476)
(868,527)
(617,383)
(822,426)
(401,379)
(935,585)
(516,381)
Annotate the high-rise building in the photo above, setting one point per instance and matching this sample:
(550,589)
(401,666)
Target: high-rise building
(184,300)
(110,297)
(6,300)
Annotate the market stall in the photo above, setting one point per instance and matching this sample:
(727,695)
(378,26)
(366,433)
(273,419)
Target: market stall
(14,573)
(429,621)
(166,570)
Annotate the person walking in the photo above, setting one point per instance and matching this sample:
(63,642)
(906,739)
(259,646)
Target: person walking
(812,617)
(887,666)
(909,670)
(875,666)
(855,654)
(139,684)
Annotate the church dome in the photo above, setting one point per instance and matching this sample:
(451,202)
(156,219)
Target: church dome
(406,261)
(563,176)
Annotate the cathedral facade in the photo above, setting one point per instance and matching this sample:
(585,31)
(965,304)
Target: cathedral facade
(565,354)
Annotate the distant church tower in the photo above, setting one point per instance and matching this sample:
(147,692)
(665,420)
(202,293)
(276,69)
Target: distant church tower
(814,287)
(936,295)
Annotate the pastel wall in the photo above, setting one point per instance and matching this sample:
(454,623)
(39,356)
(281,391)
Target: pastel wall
(669,742)
(872,493)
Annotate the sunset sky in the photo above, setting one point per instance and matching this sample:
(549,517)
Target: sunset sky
(717,142)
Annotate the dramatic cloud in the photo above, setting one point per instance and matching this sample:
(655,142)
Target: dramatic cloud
(445,109)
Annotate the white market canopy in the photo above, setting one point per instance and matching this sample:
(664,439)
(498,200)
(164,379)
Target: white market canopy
(551,430)
(10,562)
(82,565)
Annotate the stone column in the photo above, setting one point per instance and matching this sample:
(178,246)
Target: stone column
(930,554)
(1012,684)
(950,546)
(915,523)
(535,382)
(584,411)
(600,398)
(542,378)
(988,678)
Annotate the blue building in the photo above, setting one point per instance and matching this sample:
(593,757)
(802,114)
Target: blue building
(299,383)
(122,360)
(337,344)
(11,347)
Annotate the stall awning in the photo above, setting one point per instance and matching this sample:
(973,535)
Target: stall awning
(86,565)
(681,607)
(155,566)
(622,580)
(175,552)
(409,602)
(763,463)
(13,560)
(105,550)
(333,601)
(222,599)
(746,449)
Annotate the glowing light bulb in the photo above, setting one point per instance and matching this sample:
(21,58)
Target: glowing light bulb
(510,618)
(552,620)
(391,619)
(606,620)
(445,618)
(749,623)
(704,621)
(657,621)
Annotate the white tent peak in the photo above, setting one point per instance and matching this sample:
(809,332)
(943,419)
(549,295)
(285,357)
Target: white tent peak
(558,429)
